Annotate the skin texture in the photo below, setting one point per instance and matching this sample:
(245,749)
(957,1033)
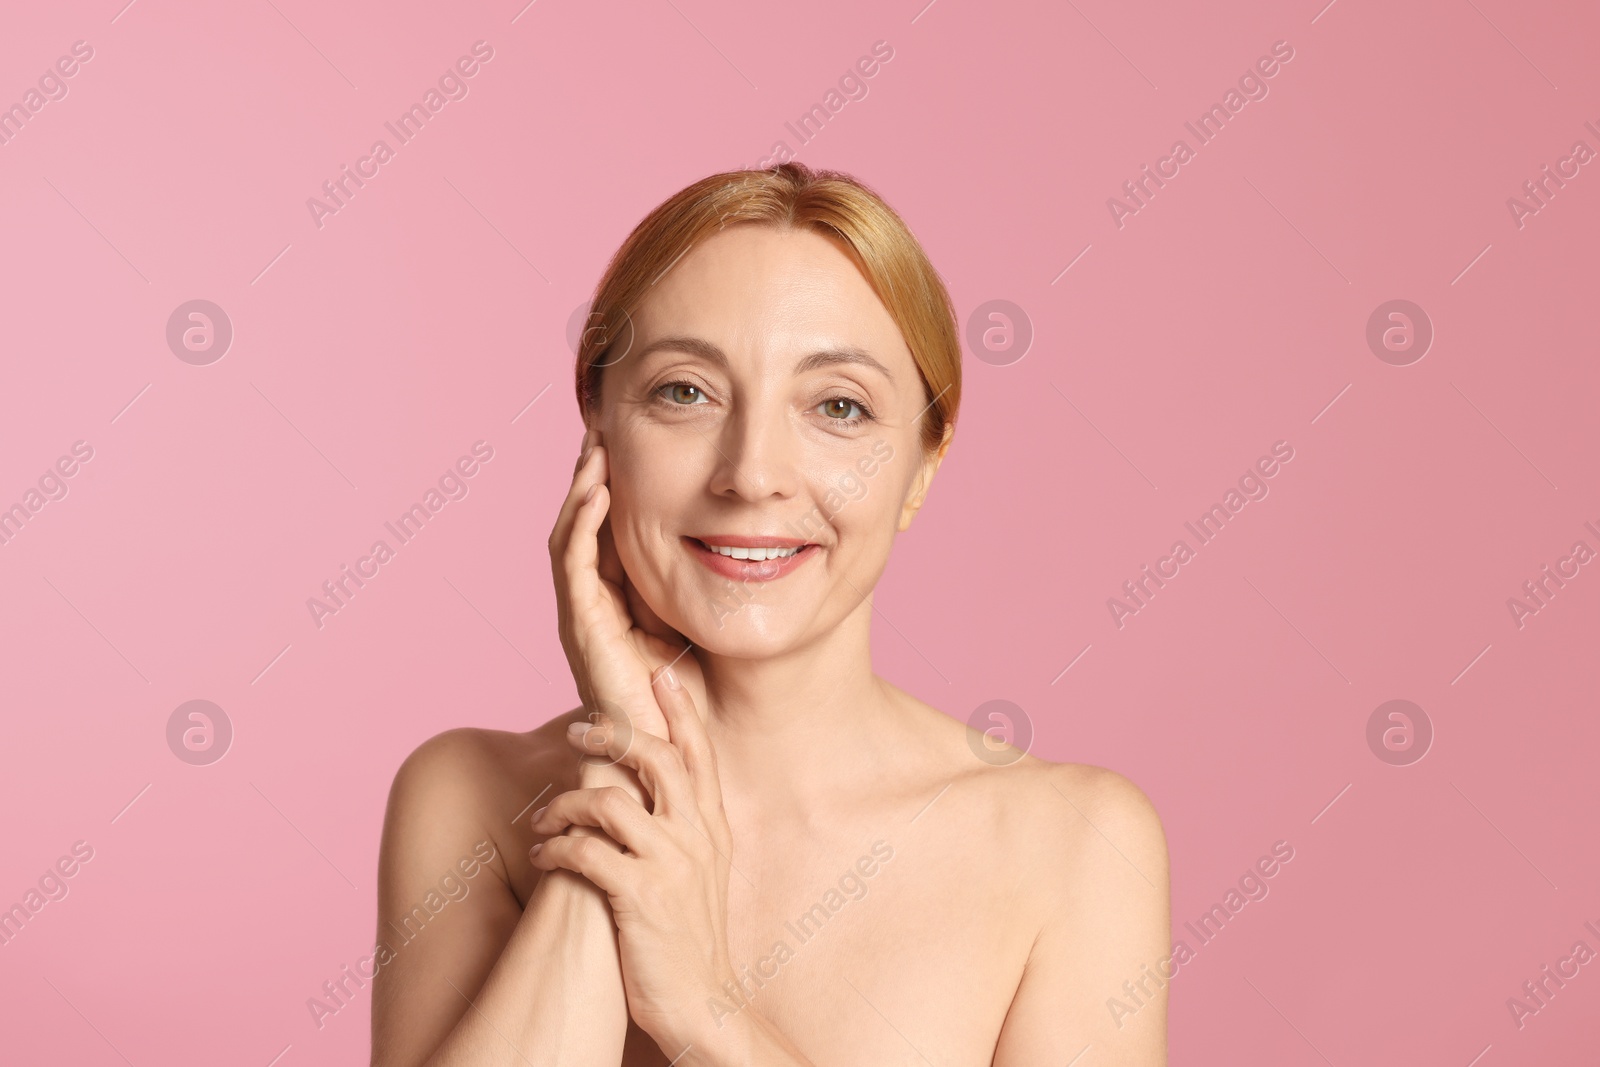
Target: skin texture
(961,910)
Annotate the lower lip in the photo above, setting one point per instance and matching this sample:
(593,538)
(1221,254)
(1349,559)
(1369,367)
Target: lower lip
(749,570)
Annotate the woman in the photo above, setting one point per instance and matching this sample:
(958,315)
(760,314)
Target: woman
(747,848)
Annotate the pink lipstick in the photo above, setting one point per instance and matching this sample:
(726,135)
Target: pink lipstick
(750,559)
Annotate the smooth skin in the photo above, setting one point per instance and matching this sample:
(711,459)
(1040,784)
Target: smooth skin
(681,832)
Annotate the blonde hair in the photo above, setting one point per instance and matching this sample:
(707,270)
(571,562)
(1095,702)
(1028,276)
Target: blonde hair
(790,195)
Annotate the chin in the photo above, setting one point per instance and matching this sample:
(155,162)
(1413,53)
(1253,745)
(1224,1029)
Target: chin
(748,632)
(752,596)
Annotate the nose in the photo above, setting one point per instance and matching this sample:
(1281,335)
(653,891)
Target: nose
(756,455)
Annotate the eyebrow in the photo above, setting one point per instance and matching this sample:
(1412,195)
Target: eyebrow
(828,357)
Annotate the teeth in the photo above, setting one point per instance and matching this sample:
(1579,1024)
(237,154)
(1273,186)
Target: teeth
(755,555)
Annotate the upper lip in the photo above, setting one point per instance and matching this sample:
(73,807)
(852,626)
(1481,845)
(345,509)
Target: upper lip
(743,541)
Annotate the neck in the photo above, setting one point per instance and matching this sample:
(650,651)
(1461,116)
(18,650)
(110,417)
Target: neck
(790,729)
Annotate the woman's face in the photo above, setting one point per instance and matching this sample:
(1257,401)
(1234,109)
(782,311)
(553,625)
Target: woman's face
(767,407)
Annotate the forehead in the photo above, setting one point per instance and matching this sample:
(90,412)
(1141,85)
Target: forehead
(769,292)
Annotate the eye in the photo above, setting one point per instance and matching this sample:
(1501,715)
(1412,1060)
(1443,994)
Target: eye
(841,407)
(684,394)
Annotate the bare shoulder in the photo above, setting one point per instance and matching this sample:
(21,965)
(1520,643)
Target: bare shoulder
(468,785)
(1076,820)
(1081,855)
(1081,821)
(453,872)
(1097,800)
(471,763)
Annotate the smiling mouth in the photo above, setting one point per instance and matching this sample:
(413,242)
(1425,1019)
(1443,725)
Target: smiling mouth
(746,552)
(751,558)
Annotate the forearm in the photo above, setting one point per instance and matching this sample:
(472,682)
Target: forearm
(555,994)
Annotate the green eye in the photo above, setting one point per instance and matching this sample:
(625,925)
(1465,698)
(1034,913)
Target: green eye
(685,394)
(839,407)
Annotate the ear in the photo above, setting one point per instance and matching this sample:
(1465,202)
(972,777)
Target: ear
(924,479)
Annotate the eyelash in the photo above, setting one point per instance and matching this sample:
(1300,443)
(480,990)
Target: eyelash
(866,414)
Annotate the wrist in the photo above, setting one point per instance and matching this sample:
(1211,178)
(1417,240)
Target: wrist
(720,1028)
(729,1034)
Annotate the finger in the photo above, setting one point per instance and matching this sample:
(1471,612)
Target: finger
(608,807)
(658,764)
(579,561)
(588,856)
(576,492)
(580,596)
(591,471)
(589,438)
(688,733)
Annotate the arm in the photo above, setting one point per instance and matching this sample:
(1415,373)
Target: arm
(483,982)
(666,883)
(1109,924)
(488,982)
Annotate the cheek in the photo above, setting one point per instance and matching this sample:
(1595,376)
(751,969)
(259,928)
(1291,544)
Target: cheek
(864,507)
(652,490)
(645,493)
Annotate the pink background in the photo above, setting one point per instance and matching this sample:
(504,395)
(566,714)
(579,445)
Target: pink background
(1228,314)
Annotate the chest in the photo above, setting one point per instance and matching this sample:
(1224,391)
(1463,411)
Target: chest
(882,949)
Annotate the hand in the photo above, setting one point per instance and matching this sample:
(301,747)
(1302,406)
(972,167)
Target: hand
(669,888)
(611,657)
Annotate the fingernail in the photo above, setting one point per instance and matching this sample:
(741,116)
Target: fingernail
(534,851)
(538,813)
(578,728)
(590,494)
(670,678)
